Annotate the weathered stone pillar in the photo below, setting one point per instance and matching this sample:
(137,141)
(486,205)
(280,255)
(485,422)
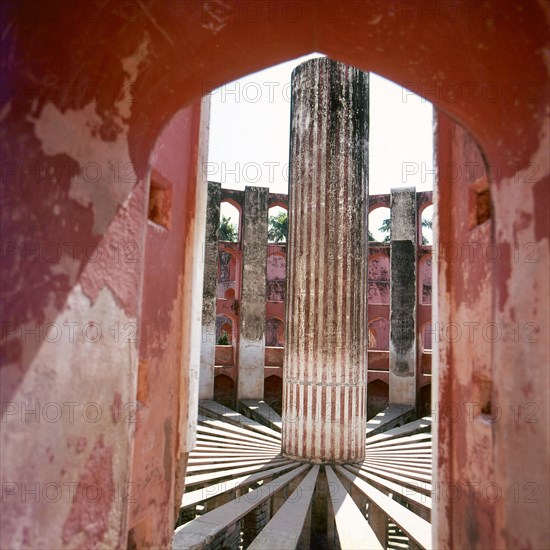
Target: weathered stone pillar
(251,355)
(403,297)
(210,258)
(324,395)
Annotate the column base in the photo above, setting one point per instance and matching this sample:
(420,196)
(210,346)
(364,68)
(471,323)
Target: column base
(330,462)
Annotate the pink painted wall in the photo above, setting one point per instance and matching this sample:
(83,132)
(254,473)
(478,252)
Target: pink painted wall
(381,333)
(425,279)
(276,265)
(379,279)
(156,461)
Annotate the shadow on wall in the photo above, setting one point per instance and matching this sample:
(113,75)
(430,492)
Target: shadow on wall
(273,393)
(224,391)
(424,401)
(377,397)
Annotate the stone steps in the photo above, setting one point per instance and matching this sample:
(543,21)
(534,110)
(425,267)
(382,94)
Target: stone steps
(242,493)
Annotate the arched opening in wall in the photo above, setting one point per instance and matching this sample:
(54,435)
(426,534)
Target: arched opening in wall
(225,335)
(425,279)
(377,397)
(379,225)
(227,274)
(424,401)
(379,278)
(378,391)
(230,222)
(426,224)
(273,393)
(275,332)
(230,294)
(224,390)
(276,276)
(380,330)
(277,228)
(379,292)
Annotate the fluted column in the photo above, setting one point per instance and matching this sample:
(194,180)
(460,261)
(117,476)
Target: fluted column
(324,396)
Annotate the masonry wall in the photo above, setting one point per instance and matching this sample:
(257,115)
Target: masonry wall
(379,313)
(228,267)
(487,410)
(161,332)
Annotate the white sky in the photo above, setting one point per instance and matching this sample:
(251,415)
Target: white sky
(249,134)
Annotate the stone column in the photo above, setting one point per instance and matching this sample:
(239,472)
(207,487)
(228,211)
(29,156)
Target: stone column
(324,395)
(251,351)
(210,258)
(403,297)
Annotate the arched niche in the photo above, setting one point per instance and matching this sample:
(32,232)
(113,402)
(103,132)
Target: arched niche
(276,276)
(377,397)
(225,324)
(224,390)
(380,328)
(379,224)
(227,274)
(275,332)
(277,228)
(230,221)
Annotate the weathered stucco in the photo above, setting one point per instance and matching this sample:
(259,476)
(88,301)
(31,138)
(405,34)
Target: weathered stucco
(251,353)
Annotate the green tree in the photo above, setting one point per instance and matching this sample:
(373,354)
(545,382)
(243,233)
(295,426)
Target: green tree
(223,340)
(228,231)
(386,228)
(428,224)
(278,227)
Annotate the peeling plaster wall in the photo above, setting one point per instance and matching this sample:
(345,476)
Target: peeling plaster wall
(491,384)
(156,456)
(72,241)
(464,352)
